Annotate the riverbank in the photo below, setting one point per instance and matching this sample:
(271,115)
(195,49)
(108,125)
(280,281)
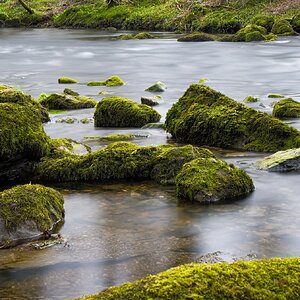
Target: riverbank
(222,17)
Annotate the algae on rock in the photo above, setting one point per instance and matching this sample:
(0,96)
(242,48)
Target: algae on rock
(157,87)
(286,108)
(27,211)
(111,81)
(116,111)
(66,80)
(205,117)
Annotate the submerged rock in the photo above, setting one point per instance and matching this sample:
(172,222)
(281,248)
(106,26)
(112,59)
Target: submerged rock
(64,101)
(208,180)
(111,81)
(286,108)
(157,87)
(205,117)
(66,80)
(28,212)
(10,95)
(116,111)
(281,161)
(198,37)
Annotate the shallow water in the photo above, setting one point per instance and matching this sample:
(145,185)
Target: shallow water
(120,232)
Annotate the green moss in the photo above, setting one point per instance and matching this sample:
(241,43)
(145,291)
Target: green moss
(70,92)
(205,117)
(65,102)
(250,99)
(26,203)
(282,27)
(272,95)
(85,121)
(138,36)
(295,22)
(265,21)
(10,95)
(286,108)
(171,159)
(121,112)
(68,120)
(258,279)
(66,80)
(209,180)
(251,33)
(21,133)
(157,87)
(117,137)
(198,37)
(111,81)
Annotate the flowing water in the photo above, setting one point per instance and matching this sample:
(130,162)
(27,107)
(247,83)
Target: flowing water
(120,232)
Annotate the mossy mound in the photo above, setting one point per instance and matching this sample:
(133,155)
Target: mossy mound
(138,36)
(208,180)
(286,108)
(10,95)
(157,87)
(27,211)
(273,95)
(251,33)
(205,117)
(111,81)
(282,161)
(257,279)
(66,80)
(21,133)
(171,159)
(65,101)
(250,99)
(295,22)
(70,92)
(121,112)
(265,21)
(198,37)
(282,27)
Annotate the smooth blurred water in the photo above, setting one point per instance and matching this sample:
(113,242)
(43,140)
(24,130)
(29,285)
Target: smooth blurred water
(120,232)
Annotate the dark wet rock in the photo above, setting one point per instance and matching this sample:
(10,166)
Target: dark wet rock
(286,108)
(65,101)
(157,87)
(28,212)
(205,117)
(150,101)
(281,161)
(207,180)
(68,91)
(116,111)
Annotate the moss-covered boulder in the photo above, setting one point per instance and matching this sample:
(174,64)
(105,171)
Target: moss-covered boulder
(66,101)
(205,117)
(286,108)
(11,95)
(283,27)
(121,112)
(68,91)
(157,87)
(265,21)
(251,33)
(208,180)
(281,161)
(66,80)
(257,279)
(170,160)
(250,99)
(27,212)
(198,37)
(274,95)
(111,81)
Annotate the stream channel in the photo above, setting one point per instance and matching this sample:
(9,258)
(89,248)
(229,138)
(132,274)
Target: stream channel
(124,231)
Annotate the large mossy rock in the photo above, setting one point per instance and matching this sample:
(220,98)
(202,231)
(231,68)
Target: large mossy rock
(10,95)
(208,180)
(286,108)
(28,211)
(283,27)
(65,101)
(281,161)
(203,116)
(257,279)
(122,112)
(21,133)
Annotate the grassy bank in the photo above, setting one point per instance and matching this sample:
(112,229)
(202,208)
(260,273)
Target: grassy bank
(265,279)
(212,16)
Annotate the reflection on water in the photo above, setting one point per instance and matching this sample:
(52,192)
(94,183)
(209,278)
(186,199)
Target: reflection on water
(120,232)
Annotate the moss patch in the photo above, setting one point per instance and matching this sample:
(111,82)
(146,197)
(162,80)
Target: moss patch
(283,27)
(157,87)
(286,108)
(111,81)
(205,117)
(121,112)
(137,36)
(250,99)
(198,37)
(211,180)
(263,279)
(66,102)
(37,203)
(66,80)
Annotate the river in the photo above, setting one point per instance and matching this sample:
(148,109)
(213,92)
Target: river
(123,231)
